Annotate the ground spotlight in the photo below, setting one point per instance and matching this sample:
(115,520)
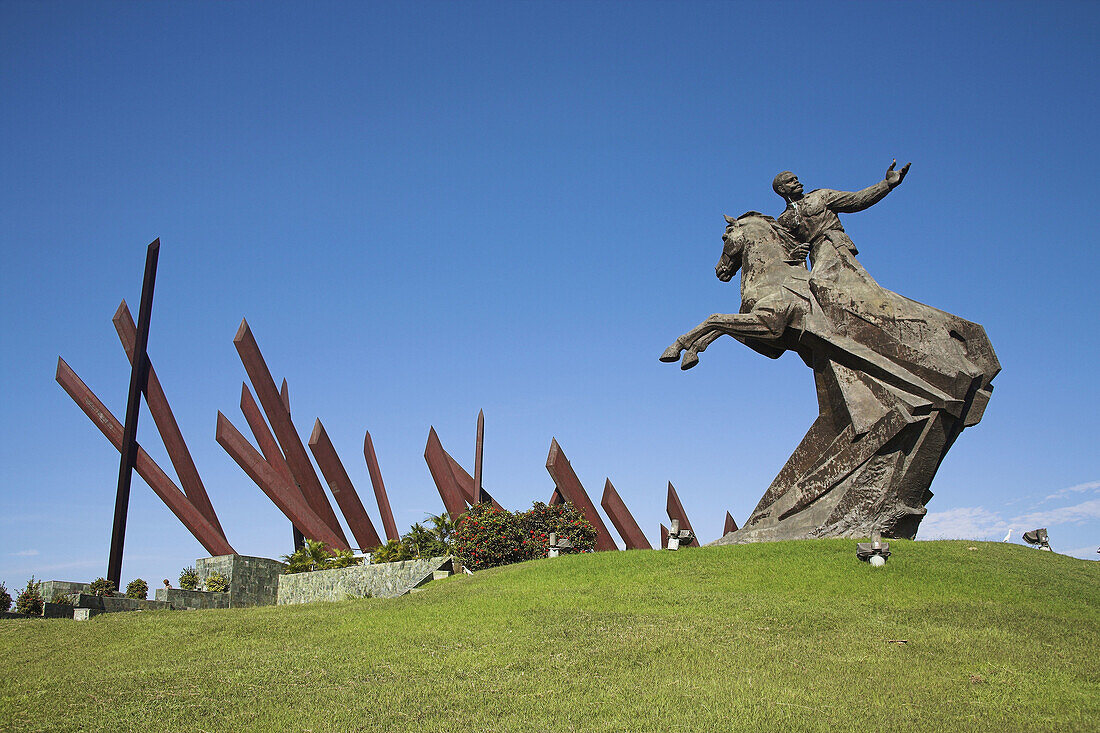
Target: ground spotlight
(557,546)
(875,552)
(677,536)
(1039,538)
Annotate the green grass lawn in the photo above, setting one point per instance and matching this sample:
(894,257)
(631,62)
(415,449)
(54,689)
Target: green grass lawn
(787,636)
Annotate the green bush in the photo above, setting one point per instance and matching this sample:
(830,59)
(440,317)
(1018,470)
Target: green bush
(392,551)
(62,599)
(137,589)
(434,541)
(189,578)
(315,555)
(343,559)
(486,537)
(217,583)
(5,598)
(564,519)
(30,599)
(102,587)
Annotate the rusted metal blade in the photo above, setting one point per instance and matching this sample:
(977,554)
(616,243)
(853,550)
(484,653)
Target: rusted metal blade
(664,536)
(479,446)
(284,394)
(623,520)
(675,510)
(270,448)
(342,488)
(277,415)
(466,483)
(268,445)
(556,498)
(198,525)
(165,421)
(284,495)
(730,526)
(379,489)
(570,487)
(440,469)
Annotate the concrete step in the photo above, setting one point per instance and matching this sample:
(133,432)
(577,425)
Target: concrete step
(440,574)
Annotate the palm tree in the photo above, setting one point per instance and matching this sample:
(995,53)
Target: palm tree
(312,555)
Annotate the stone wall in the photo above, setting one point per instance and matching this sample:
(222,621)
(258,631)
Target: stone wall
(50,588)
(113,604)
(384,580)
(192,600)
(253,581)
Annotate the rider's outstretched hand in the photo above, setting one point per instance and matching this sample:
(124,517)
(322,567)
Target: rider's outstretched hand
(894,177)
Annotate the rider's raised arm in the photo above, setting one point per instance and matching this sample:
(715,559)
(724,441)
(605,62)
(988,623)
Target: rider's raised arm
(845,202)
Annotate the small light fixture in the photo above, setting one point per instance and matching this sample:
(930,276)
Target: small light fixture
(676,536)
(1038,537)
(875,552)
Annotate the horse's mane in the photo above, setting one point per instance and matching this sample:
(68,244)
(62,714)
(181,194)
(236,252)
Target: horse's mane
(788,239)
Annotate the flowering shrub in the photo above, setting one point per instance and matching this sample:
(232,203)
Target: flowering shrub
(102,587)
(137,589)
(5,598)
(189,578)
(217,583)
(486,537)
(30,599)
(564,519)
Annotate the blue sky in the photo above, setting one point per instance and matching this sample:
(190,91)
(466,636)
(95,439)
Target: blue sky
(424,209)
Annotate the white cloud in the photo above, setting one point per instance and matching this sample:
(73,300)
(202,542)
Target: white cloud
(26,553)
(968,522)
(1087,486)
(1074,514)
(1085,553)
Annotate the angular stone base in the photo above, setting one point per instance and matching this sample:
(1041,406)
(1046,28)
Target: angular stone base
(384,580)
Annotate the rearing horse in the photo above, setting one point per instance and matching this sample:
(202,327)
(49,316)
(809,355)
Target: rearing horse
(774,291)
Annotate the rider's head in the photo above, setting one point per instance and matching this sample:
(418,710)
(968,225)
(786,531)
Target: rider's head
(786,184)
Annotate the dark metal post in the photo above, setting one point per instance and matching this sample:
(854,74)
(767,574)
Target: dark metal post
(138,374)
(478,447)
(299,538)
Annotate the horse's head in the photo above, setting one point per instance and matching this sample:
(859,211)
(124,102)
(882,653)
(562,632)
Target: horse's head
(752,227)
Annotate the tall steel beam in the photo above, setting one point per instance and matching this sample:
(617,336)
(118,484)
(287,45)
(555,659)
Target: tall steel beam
(299,538)
(466,483)
(279,418)
(379,489)
(731,526)
(623,520)
(139,373)
(268,445)
(570,487)
(479,447)
(342,488)
(165,420)
(176,501)
(283,494)
(675,510)
(444,479)
(270,448)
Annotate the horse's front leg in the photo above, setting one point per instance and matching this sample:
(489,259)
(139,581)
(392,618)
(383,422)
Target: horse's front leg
(689,340)
(699,338)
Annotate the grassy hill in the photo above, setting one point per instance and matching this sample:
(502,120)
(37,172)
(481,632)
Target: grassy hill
(784,636)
